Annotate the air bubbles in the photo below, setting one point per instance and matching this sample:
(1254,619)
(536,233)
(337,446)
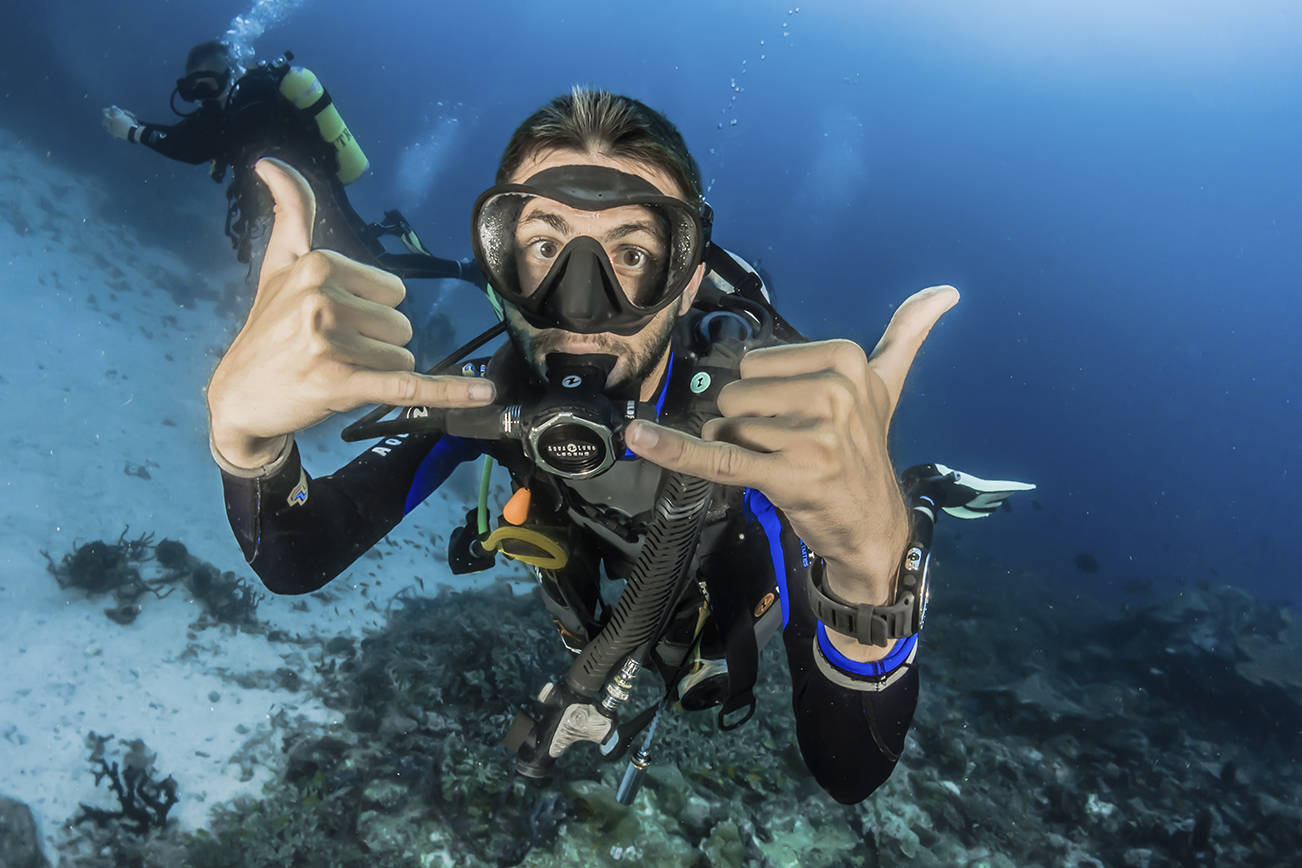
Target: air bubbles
(245,29)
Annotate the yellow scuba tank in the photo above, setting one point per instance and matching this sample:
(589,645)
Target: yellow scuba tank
(301,87)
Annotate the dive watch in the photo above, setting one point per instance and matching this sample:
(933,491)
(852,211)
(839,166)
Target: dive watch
(882,625)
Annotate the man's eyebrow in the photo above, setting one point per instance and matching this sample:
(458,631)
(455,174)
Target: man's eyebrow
(560,224)
(627,229)
(555,221)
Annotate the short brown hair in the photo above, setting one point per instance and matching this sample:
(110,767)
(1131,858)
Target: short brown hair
(597,120)
(214,52)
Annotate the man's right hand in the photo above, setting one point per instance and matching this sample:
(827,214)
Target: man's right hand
(322,337)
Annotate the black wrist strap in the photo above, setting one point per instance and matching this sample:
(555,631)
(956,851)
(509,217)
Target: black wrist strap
(881,625)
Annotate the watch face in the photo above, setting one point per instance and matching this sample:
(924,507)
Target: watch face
(922,605)
(924,589)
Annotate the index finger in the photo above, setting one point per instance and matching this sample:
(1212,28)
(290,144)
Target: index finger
(409,389)
(717,461)
(295,212)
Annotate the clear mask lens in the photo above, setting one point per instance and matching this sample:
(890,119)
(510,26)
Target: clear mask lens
(650,247)
(635,239)
(202,84)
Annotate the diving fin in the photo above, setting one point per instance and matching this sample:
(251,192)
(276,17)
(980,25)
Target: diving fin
(960,494)
(394,223)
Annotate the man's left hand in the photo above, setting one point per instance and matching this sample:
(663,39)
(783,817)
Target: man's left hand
(806,424)
(118,122)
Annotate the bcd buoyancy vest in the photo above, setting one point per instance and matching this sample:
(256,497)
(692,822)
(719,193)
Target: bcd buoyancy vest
(601,523)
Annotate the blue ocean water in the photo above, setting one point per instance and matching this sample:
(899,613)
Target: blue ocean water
(1113,187)
(1113,190)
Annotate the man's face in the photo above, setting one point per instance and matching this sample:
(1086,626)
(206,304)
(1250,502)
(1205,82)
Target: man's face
(633,240)
(216,69)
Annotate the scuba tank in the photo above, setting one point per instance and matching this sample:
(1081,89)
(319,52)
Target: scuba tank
(302,88)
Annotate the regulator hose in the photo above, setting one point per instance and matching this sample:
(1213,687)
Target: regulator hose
(655,578)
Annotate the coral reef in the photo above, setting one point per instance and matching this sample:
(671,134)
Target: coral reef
(122,836)
(1142,736)
(105,568)
(143,803)
(1020,756)
(99,567)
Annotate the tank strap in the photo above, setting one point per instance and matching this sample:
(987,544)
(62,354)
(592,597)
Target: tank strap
(749,286)
(323,102)
(745,282)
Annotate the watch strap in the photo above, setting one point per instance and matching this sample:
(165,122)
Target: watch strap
(881,625)
(872,625)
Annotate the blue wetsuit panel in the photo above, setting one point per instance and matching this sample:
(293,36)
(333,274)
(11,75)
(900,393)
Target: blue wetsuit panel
(767,515)
(448,453)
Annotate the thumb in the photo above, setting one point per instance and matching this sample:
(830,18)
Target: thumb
(908,328)
(291,230)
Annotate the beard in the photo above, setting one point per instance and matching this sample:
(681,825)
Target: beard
(638,354)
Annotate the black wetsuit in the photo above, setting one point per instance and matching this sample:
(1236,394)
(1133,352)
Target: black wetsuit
(298,533)
(256,120)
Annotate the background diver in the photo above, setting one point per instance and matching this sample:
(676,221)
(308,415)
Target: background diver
(658,427)
(277,109)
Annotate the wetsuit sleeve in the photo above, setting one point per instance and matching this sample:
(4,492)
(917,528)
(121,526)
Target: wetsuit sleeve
(194,140)
(298,533)
(851,719)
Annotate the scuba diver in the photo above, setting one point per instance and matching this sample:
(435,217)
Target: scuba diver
(658,427)
(280,110)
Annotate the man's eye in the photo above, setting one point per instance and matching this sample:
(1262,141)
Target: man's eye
(632,257)
(544,248)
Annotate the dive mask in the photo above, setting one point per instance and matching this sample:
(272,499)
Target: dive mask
(587,249)
(202,84)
